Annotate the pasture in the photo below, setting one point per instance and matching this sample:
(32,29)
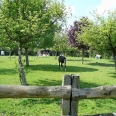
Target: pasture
(44,71)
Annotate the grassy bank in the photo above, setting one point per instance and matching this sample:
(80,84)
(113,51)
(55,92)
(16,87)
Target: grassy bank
(43,71)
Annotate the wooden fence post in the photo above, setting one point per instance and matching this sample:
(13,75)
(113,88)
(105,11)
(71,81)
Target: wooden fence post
(65,105)
(69,107)
(74,103)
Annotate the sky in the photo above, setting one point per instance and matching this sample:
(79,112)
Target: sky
(79,8)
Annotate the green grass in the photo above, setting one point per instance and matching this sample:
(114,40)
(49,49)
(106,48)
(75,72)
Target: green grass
(43,71)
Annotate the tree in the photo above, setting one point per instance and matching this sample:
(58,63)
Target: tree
(60,43)
(73,35)
(30,23)
(101,34)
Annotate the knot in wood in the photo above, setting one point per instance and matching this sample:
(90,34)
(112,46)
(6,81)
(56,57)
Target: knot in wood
(106,91)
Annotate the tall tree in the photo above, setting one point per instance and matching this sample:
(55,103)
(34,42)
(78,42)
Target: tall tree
(101,35)
(60,43)
(73,35)
(30,23)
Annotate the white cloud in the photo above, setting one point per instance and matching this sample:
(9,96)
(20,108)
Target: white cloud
(106,5)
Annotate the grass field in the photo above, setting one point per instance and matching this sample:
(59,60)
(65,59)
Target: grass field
(43,71)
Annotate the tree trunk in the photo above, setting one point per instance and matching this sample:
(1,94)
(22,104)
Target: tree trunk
(26,57)
(56,55)
(10,55)
(21,68)
(114,57)
(113,49)
(65,54)
(82,56)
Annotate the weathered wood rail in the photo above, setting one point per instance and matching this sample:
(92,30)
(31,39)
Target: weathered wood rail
(8,91)
(69,92)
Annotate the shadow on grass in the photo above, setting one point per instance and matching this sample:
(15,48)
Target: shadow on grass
(53,82)
(48,82)
(79,60)
(88,85)
(5,71)
(101,64)
(54,68)
(113,75)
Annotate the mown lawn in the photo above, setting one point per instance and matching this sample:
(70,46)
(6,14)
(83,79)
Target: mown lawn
(43,71)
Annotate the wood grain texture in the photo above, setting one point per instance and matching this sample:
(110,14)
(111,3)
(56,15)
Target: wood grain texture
(8,91)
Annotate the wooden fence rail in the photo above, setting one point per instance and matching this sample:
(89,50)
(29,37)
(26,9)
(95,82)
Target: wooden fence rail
(8,91)
(69,92)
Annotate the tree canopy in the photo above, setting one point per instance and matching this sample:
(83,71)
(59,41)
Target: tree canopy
(74,32)
(60,42)
(30,23)
(101,34)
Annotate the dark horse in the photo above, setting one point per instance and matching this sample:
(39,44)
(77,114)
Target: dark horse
(62,60)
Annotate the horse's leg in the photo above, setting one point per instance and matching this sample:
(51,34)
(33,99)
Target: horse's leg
(59,64)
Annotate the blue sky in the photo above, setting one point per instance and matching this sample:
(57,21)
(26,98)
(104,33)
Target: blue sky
(81,8)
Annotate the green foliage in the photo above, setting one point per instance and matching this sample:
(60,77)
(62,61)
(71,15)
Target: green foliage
(32,22)
(100,35)
(60,42)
